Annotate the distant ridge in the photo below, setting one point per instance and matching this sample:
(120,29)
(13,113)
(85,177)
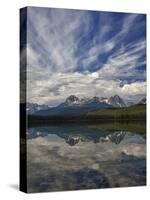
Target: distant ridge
(142,101)
(74,106)
(114,101)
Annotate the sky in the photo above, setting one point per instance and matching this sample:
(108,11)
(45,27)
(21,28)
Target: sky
(83,53)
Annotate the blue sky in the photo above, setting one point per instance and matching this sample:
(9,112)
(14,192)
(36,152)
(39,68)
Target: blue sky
(85,53)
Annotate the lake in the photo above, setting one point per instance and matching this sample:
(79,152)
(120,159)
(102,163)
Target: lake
(85,156)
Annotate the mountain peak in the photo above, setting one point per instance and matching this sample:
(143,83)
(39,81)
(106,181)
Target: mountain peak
(116,96)
(72,98)
(95,99)
(143,101)
(116,101)
(34,107)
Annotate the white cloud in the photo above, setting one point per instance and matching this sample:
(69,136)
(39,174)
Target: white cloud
(124,63)
(134,89)
(57,87)
(53,34)
(53,40)
(101,45)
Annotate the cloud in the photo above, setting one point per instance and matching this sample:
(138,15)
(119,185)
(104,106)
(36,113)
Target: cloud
(125,62)
(134,89)
(103,44)
(54,34)
(57,87)
(84,53)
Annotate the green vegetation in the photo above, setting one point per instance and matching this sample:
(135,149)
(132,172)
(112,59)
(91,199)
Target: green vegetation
(131,126)
(128,113)
(132,113)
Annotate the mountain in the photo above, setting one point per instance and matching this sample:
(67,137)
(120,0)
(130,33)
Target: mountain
(115,137)
(75,134)
(72,100)
(98,100)
(130,103)
(74,106)
(142,101)
(116,101)
(32,108)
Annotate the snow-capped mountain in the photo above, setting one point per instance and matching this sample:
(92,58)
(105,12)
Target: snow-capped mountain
(130,103)
(74,101)
(104,99)
(99,99)
(73,138)
(76,106)
(115,137)
(32,108)
(116,101)
(142,101)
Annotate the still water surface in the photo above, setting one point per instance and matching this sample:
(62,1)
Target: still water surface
(73,156)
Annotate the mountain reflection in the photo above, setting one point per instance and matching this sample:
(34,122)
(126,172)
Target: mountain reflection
(115,137)
(73,136)
(82,156)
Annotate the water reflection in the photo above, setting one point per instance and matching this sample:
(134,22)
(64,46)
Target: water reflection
(69,157)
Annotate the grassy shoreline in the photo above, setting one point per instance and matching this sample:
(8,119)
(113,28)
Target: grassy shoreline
(132,113)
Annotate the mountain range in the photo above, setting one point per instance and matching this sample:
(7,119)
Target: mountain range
(114,101)
(73,137)
(143,101)
(34,107)
(76,106)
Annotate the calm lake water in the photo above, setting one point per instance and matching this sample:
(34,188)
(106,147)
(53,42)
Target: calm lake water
(73,156)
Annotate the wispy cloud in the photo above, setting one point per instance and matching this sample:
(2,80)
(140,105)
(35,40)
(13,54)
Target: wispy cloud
(58,86)
(54,36)
(74,52)
(125,63)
